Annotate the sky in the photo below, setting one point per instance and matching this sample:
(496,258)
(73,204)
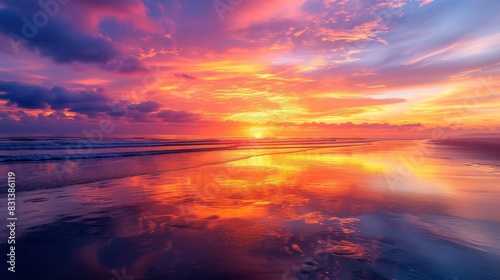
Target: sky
(250,68)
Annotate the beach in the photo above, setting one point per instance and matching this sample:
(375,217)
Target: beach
(250,140)
(275,209)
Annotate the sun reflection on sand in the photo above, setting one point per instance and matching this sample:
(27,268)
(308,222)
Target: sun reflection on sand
(330,211)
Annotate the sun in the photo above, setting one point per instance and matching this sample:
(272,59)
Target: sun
(258,132)
(258,135)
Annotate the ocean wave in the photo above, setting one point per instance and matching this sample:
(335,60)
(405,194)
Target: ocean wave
(76,149)
(75,156)
(96,144)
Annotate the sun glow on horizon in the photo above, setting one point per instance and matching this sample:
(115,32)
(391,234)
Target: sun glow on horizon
(261,132)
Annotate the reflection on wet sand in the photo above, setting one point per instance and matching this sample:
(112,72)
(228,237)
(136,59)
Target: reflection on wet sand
(319,214)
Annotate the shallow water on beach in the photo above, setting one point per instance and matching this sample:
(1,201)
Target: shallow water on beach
(389,210)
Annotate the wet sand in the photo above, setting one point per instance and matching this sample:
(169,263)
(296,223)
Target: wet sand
(389,210)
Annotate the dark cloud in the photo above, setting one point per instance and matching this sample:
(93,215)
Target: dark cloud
(58,41)
(125,65)
(37,97)
(90,109)
(61,38)
(21,122)
(24,96)
(177,116)
(12,116)
(90,102)
(146,107)
(63,97)
(185,76)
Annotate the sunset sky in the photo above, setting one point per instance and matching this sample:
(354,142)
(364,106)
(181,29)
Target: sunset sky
(258,68)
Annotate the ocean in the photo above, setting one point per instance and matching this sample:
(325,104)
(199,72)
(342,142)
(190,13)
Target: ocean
(173,208)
